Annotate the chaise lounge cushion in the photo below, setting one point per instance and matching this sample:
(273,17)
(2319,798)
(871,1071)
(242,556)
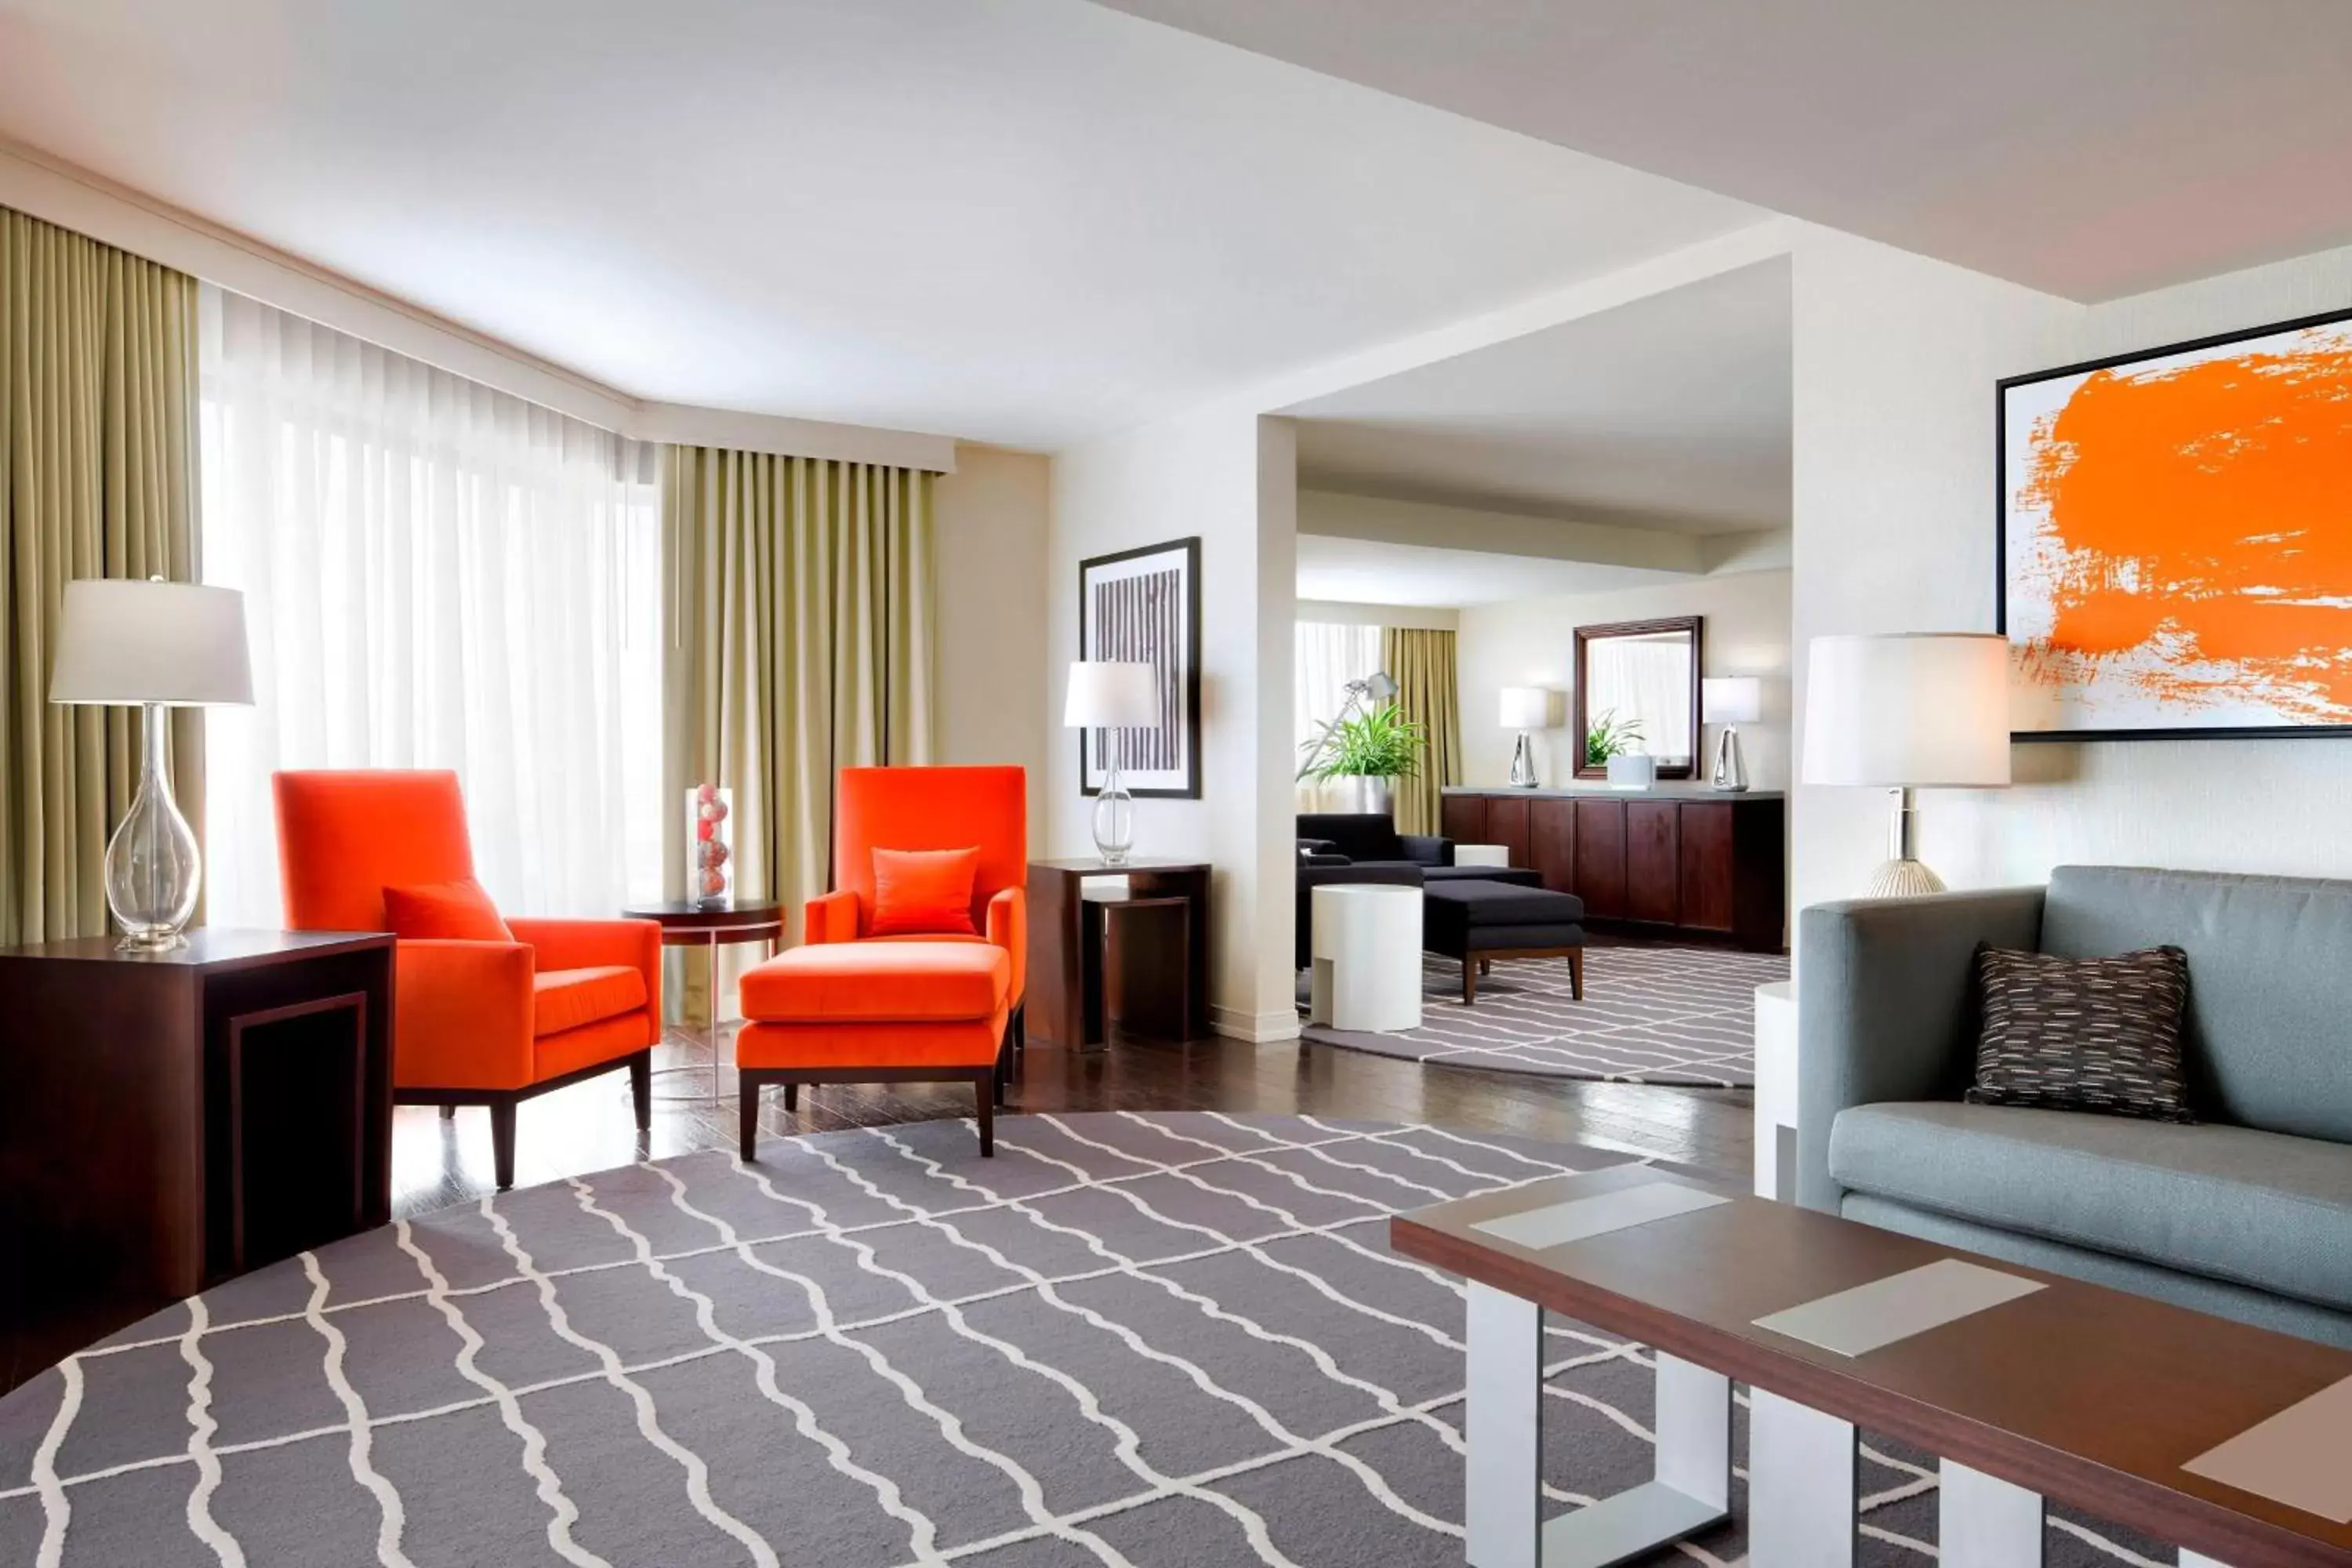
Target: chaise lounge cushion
(878,983)
(2264,1209)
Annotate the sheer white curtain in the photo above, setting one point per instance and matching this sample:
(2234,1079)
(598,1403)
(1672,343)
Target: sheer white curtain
(435,575)
(1329,654)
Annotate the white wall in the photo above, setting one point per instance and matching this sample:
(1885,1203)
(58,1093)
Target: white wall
(1333,611)
(1229,477)
(1532,642)
(1895,361)
(992,687)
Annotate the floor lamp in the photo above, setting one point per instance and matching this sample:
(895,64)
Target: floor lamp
(1906,712)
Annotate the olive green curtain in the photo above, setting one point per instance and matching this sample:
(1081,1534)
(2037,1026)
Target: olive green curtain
(97,478)
(1430,694)
(800,608)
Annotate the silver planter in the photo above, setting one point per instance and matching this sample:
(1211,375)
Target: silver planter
(1357,793)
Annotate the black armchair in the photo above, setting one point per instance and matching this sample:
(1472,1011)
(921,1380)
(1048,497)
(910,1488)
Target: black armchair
(1369,838)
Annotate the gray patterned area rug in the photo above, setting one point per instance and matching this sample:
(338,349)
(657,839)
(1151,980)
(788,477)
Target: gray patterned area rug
(1650,1014)
(1166,1339)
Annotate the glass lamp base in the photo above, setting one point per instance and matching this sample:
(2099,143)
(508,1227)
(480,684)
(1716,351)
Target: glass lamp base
(1114,822)
(152,870)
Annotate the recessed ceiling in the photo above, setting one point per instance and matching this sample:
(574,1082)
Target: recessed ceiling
(1373,572)
(1672,412)
(2090,148)
(1022,221)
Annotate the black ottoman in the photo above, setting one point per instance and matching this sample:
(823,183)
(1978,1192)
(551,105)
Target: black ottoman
(1474,921)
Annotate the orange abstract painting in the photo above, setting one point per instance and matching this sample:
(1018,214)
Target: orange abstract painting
(2177,538)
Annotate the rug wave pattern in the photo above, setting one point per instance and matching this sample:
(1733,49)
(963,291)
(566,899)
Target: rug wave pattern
(1650,1014)
(1147,1339)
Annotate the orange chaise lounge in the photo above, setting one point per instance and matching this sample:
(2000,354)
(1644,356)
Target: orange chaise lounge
(912,968)
(486,1011)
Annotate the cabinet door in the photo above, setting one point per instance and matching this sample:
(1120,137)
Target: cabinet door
(1600,856)
(1551,842)
(1463,819)
(1507,825)
(1709,868)
(1652,861)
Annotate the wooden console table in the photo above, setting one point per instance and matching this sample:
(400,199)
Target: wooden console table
(1067,1003)
(169,1120)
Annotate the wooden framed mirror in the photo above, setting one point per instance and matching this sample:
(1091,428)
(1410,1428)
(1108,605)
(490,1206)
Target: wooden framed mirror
(1637,681)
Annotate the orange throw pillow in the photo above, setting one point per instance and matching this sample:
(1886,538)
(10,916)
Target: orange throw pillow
(924,892)
(450,912)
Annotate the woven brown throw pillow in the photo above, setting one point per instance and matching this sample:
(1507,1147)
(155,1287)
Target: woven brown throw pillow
(2084,1034)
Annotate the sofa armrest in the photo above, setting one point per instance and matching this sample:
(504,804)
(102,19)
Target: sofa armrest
(1427,849)
(462,1014)
(593,944)
(1318,846)
(830,917)
(1884,1008)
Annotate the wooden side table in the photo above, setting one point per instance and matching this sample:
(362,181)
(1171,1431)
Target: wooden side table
(685,923)
(173,1119)
(1064,1004)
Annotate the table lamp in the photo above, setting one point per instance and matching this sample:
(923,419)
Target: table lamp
(1110,695)
(153,644)
(1525,708)
(1730,700)
(1909,712)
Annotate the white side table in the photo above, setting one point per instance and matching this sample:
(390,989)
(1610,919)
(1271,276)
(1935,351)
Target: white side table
(1482,854)
(1366,945)
(1776,1090)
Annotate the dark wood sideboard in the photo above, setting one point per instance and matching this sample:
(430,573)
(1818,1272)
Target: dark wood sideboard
(170,1120)
(1692,862)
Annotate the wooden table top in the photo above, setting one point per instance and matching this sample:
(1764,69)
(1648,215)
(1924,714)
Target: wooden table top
(2091,1397)
(210,947)
(685,915)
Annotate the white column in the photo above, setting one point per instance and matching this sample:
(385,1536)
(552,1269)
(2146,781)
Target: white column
(1800,1485)
(1982,1522)
(1501,1421)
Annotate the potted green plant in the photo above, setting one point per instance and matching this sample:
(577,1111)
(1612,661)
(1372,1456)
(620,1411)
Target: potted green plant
(1366,755)
(1609,736)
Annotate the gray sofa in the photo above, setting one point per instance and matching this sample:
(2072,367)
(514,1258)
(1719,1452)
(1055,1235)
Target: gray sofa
(2247,1214)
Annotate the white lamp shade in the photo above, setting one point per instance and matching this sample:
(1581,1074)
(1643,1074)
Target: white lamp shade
(1105,695)
(1924,710)
(1731,699)
(1525,706)
(125,641)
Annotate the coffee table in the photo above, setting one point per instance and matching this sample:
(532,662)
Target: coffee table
(2046,1388)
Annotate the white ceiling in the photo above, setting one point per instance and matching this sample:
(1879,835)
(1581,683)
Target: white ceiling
(1672,412)
(1022,221)
(2090,148)
(1375,571)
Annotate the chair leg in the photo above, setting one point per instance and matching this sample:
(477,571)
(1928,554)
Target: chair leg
(641,1088)
(448,1113)
(986,1090)
(1021,1025)
(747,1112)
(792,1097)
(1576,974)
(502,1140)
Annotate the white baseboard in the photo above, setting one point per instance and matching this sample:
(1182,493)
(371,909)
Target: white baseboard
(1258,1028)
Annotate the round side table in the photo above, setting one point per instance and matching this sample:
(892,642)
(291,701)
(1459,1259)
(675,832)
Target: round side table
(685,923)
(1366,944)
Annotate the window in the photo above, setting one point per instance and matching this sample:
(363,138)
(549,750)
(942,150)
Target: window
(436,574)
(1328,657)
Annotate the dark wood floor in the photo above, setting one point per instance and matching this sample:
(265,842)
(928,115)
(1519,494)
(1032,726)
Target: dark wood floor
(589,1128)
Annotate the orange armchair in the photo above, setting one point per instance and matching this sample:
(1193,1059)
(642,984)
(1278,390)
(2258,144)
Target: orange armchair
(932,808)
(474,1022)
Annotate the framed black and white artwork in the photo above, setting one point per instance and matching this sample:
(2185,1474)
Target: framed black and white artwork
(1143,606)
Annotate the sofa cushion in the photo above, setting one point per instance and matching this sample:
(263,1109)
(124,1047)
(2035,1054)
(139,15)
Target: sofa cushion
(923,892)
(566,998)
(2269,987)
(1479,903)
(458,910)
(877,983)
(2082,1034)
(2230,1203)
